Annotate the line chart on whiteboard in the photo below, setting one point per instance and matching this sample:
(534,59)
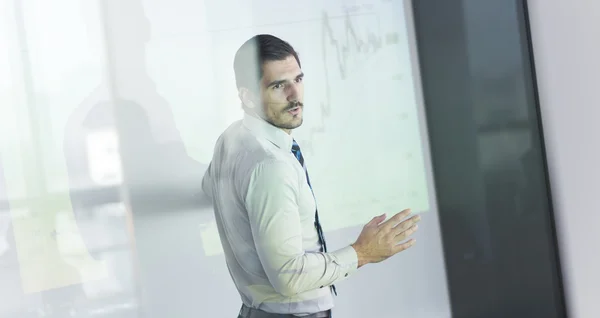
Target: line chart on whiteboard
(345,51)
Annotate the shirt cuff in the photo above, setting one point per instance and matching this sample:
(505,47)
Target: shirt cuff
(347,259)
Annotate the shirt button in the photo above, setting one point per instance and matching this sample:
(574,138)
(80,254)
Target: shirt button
(321,287)
(346,275)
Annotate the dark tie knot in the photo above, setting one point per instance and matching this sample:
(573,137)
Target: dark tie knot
(297,153)
(295,146)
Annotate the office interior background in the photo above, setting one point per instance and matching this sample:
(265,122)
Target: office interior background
(479,114)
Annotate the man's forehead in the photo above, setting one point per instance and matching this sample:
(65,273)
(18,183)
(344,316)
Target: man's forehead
(279,70)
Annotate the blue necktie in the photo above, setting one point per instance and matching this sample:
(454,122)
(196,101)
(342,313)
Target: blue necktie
(296,151)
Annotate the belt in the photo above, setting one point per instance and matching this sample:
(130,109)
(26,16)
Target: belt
(247,312)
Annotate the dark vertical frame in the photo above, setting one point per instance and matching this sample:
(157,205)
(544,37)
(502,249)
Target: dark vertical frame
(532,80)
(501,255)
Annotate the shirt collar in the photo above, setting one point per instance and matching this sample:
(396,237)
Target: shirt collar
(264,129)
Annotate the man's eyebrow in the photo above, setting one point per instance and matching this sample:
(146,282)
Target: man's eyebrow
(273,83)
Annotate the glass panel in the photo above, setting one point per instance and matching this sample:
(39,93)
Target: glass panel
(113,109)
(62,219)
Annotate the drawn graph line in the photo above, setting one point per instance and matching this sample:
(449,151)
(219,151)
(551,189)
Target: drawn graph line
(350,44)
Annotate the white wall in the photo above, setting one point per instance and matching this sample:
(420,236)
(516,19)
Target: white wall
(566,41)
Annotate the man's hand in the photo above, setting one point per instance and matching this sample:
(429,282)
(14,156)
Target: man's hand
(379,241)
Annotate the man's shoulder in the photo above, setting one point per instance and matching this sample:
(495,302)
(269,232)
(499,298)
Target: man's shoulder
(239,142)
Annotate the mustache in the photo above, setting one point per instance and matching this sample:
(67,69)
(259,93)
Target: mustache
(293,105)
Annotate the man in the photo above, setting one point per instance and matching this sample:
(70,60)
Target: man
(264,206)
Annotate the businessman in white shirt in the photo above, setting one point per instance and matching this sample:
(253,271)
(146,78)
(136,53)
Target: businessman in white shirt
(264,206)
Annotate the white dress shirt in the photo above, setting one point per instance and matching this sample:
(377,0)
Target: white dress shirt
(265,213)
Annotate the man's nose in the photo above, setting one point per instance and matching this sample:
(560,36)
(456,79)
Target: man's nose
(292,93)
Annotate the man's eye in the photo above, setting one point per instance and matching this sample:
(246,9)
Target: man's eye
(277,86)
(299,79)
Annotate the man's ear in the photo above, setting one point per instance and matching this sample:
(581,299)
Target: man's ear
(246,97)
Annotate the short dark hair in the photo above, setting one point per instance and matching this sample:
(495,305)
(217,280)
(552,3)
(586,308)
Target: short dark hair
(251,56)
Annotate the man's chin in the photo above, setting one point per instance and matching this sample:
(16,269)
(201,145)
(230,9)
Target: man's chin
(291,125)
(298,123)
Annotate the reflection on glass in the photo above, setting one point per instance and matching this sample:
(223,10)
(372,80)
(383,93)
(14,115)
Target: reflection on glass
(114,108)
(64,252)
